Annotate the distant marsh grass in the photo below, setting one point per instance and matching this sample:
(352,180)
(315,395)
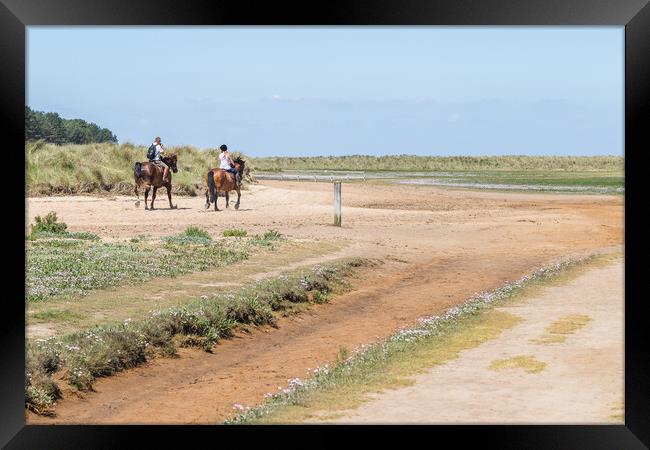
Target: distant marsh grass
(442,163)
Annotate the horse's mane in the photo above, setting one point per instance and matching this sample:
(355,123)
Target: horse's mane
(238,160)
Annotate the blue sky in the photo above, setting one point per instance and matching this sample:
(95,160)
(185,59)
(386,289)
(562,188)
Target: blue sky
(340,90)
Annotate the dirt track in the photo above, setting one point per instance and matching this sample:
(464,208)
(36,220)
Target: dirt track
(451,244)
(582,383)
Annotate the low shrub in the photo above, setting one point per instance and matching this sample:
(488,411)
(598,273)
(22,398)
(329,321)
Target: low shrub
(198,233)
(49,224)
(237,232)
(50,227)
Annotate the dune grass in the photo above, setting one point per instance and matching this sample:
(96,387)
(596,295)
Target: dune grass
(96,168)
(93,168)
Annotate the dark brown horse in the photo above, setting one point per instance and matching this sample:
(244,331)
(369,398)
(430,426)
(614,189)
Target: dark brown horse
(219,180)
(149,175)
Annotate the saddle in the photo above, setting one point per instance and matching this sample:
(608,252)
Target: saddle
(232,176)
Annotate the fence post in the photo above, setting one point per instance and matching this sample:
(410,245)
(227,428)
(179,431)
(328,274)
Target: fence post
(337,203)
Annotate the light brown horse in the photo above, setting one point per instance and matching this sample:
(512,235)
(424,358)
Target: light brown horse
(149,175)
(219,180)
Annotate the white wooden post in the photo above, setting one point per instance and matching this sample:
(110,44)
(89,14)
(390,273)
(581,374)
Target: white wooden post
(337,203)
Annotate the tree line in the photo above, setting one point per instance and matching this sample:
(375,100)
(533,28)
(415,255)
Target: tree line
(54,129)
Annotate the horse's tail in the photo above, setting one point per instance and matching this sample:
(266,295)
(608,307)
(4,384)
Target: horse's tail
(211,187)
(137,169)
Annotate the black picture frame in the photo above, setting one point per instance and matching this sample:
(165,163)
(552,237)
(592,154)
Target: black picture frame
(15,15)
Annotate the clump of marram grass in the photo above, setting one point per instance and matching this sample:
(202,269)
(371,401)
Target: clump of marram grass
(268,238)
(49,224)
(236,232)
(366,359)
(197,232)
(83,356)
(191,235)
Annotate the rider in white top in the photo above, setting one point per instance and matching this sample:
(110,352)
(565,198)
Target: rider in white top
(225,161)
(227,164)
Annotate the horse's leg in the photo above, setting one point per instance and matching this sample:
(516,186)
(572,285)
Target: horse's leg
(216,197)
(238,197)
(146,196)
(207,199)
(137,194)
(153,196)
(227,198)
(169,195)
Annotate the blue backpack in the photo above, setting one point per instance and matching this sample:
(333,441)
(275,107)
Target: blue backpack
(151,153)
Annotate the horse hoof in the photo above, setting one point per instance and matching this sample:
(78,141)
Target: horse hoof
(137,204)
(237,206)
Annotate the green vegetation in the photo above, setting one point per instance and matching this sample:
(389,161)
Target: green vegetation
(83,356)
(558,331)
(107,167)
(392,362)
(114,305)
(237,232)
(70,267)
(412,163)
(49,226)
(599,174)
(50,127)
(192,235)
(554,178)
(527,363)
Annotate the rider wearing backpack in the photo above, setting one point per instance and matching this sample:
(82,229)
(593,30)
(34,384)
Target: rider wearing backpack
(153,154)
